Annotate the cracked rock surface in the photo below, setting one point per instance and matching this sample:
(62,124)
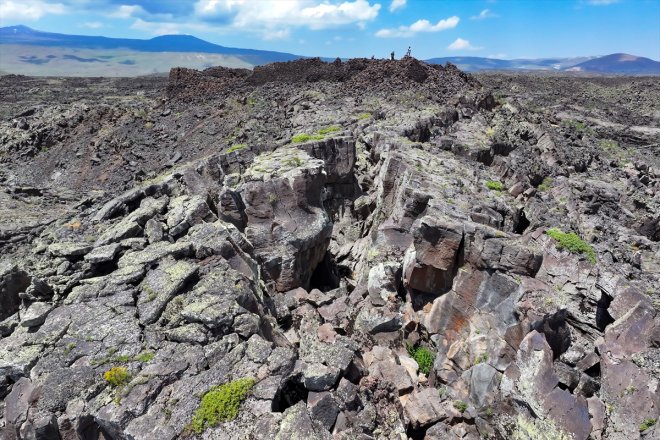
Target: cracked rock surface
(369,241)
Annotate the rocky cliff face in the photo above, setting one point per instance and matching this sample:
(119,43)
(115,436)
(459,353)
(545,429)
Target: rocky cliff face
(379,250)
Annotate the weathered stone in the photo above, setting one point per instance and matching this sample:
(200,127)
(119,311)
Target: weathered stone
(36,314)
(103,254)
(424,408)
(322,407)
(318,377)
(69,249)
(429,265)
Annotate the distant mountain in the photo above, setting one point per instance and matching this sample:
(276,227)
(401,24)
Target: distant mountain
(621,63)
(609,64)
(23,35)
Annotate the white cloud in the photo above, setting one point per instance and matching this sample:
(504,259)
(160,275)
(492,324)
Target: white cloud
(157,28)
(92,25)
(397,4)
(418,26)
(486,13)
(602,2)
(250,14)
(28,9)
(461,44)
(126,11)
(281,34)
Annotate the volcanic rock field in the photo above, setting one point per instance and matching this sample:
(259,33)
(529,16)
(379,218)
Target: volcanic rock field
(360,250)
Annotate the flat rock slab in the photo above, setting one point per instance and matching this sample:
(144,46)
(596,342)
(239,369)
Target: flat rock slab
(69,249)
(160,286)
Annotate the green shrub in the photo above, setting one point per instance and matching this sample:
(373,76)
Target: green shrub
(646,424)
(460,406)
(117,376)
(494,185)
(145,356)
(573,243)
(423,356)
(328,130)
(220,404)
(364,116)
(236,147)
(304,137)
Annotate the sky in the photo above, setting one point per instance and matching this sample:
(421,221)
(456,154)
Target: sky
(362,28)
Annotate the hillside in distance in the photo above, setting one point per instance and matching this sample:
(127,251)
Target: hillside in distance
(609,64)
(31,52)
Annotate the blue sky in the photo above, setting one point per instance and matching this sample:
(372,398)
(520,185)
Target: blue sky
(351,28)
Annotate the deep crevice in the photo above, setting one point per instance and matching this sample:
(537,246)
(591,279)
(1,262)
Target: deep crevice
(289,393)
(603,317)
(326,276)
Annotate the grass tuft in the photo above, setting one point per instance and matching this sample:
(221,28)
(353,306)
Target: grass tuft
(460,406)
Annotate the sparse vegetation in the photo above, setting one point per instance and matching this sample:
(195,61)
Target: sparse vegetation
(221,404)
(423,356)
(646,424)
(460,406)
(494,185)
(483,357)
(363,116)
(236,147)
(117,377)
(145,356)
(303,137)
(573,243)
(330,129)
(546,184)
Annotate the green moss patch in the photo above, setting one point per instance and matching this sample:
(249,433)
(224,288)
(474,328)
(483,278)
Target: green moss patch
(221,404)
(573,243)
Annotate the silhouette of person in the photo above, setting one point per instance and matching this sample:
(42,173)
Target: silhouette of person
(408,53)
(392,56)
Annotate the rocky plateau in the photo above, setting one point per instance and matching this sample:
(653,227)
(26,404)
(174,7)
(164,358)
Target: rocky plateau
(372,249)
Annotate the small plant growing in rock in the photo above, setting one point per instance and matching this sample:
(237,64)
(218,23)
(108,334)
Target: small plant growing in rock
(646,424)
(117,377)
(460,406)
(145,356)
(236,147)
(303,137)
(221,404)
(546,184)
(494,185)
(363,116)
(423,356)
(483,357)
(573,243)
(328,130)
